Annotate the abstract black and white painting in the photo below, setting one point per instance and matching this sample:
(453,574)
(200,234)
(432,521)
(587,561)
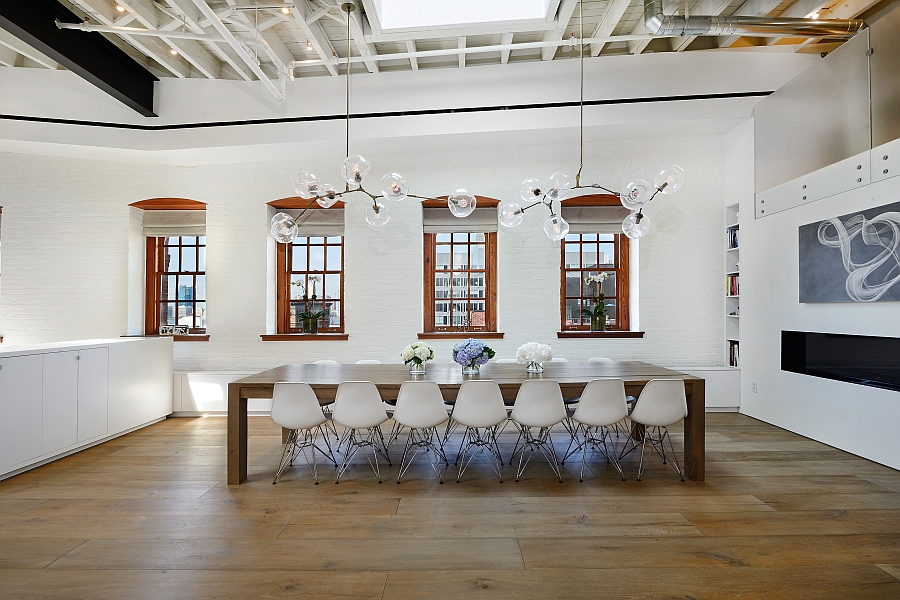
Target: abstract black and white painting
(852,258)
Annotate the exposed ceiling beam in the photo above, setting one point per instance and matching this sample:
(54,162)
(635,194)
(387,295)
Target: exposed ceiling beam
(750,8)
(364,47)
(89,55)
(702,7)
(611,18)
(411,48)
(799,10)
(372,16)
(461,44)
(469,30)
(564,15)
(317,38)
(848,9)
(9,57)
(505,40)
(193,21)
(19,47)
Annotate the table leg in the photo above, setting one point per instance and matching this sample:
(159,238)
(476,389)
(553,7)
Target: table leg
(695,432)
(237,435)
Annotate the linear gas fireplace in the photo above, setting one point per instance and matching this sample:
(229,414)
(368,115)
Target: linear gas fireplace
(862,359)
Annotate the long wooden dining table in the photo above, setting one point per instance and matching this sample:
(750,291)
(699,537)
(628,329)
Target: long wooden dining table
(572,377)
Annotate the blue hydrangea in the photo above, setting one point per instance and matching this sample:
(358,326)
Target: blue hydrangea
(472,351)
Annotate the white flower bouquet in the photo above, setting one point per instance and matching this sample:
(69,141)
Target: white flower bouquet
(533,354)
(415,355)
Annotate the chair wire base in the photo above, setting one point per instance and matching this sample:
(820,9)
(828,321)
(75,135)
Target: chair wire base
(532,443)
(484,440)
(427,439)
(657,436)
(294,446)
(352,444)
(598,438)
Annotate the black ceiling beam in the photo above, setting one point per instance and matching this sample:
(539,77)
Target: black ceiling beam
(87,54)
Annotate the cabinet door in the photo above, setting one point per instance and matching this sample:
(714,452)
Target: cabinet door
(60,400)
(20,409)
(93,386)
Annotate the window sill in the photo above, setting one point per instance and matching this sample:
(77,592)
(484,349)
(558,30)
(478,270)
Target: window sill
(191,337)
(599,334)
(304,337)
(460,335)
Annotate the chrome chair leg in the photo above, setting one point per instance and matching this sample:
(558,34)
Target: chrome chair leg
(423,439)
(543,442)
(354,445)
(485,441)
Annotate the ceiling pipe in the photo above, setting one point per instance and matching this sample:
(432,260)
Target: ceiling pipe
(660,24)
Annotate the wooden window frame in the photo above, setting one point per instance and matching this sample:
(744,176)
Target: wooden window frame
(155,255)
(490,273)
(621,269)
(283,291)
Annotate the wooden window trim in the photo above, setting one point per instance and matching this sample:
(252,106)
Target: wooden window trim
(155,255)
(623,322)
(490,272)
(169,204)
(283,299)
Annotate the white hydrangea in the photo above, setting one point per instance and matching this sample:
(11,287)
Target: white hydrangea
(418,353)
(533,352)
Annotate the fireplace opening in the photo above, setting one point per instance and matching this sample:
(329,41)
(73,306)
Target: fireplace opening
(861,359)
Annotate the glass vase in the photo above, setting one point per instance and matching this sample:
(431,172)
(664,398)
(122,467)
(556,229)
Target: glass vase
(535,367)
(598,323)
(416,368)
(310,326)
(471,369)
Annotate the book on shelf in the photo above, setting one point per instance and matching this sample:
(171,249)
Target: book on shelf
(732,285)
(733,238)
(734,354)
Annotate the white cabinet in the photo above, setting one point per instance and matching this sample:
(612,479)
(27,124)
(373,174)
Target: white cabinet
(21,382)
(60,400)
(93,389)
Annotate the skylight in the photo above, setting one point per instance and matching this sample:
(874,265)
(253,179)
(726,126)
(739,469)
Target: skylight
(416,14)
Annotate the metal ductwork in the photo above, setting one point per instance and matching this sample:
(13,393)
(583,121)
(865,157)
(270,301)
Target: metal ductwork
(671,25)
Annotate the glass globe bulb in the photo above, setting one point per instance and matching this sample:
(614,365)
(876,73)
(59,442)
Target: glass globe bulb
(461,203)
(306,185)
(634,228)
(556,228)
(284,230)
(377,214)
(394,187)
(669,179)
(327,197)
(510,214)
(531,190)
(636,194)
(558,186)
(354,169)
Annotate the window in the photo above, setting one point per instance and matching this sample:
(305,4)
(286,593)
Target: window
(586,254)
(460,293)
(311,266)
(176,283)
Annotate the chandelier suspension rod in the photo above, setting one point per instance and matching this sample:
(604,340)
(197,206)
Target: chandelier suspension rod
(581,97)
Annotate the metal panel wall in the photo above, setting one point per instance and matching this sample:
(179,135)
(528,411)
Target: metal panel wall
(819,118)
(885,67)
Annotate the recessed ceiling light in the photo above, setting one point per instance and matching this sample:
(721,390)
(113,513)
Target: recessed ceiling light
(285,10)
(308,45)
(173,51)
(120,8)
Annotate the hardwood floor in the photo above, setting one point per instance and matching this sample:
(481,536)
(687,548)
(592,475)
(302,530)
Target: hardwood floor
(148,515)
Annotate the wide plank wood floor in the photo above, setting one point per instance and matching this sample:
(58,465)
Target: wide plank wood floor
(148,515)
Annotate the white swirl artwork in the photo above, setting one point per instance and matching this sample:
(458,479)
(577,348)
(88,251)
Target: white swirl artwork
(870,278)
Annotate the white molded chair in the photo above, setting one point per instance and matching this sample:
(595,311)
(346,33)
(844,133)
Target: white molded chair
(600,359)
(539,403)
(506,361)
(480,409)
(368,361)
(325,361)
(357,406)
(420,406)
(662,403)
(559,360)
(296,407)
(602,407)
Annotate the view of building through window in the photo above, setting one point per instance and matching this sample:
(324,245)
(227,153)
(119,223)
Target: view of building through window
(182,282)
(584,256)
(315,269)
(460,280)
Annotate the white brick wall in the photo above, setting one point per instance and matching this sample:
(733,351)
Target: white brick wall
(65,236)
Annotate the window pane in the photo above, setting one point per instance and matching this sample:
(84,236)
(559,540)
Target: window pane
(169,287)
(298,286)
(298,258)
(200,315)
(201,259)
(186,313)
(460,285)
(476,286)
(302,240)
(460,237)
(476,237)
(573,259)
(441,285)
(201,287)
(334,240)
(189,258)
(185,287)
(314,286)
(572,237)
(460,256)
(610,312)
(607,237)
(573,312)
(317,240)
(609,286)
(172,264)
(332,314)
(441,314)
(573,284)
(201,239)
(589,237)
(589,256)
(442,257)
(333,286)
(188,240)
(296,309)
(334,258)
(460,313)
(608,255)
(477,255)
(442,237)
(316,258)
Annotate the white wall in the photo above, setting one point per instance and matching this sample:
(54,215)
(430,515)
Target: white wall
(66,252)
(862,420)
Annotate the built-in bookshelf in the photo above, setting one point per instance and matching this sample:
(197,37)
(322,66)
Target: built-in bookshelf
(732,285)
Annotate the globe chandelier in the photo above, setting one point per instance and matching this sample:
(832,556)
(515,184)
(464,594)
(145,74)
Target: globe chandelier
(354,170)
(636,194)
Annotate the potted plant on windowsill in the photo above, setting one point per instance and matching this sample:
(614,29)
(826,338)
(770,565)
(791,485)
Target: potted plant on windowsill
(597,314)
(309,317)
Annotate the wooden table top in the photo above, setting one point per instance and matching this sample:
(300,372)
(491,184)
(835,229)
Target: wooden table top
(572,376)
